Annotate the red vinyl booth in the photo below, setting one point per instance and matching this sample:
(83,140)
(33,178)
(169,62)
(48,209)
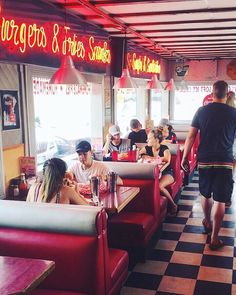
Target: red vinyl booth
(75,237)
(135,225)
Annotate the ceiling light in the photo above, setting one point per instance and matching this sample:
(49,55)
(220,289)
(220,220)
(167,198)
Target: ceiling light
(125,81)
(154,83)
(67,74)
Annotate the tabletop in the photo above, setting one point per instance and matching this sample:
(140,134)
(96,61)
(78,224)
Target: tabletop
(115,202)
(21,275)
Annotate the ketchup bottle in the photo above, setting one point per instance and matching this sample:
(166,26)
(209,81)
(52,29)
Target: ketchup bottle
(23,187)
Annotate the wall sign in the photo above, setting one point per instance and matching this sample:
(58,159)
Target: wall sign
(10,110)
(36,43)
(143,64)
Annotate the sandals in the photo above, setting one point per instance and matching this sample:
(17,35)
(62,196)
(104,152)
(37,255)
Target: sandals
(207,228)
(216,246)
(174,211)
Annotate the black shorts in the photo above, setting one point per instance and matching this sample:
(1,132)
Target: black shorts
(216,182)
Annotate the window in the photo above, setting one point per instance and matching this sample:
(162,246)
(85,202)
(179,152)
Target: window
(156,106)
(64,114)
(186,102)
(126,108)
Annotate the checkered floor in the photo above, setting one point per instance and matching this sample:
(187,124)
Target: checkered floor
(181,262)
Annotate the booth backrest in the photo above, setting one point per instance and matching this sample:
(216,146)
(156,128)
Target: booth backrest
(146,177)
(132,170)
(72,236)
(181,136)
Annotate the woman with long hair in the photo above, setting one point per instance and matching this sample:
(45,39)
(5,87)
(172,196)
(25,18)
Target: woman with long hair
(52,189)
(155,149)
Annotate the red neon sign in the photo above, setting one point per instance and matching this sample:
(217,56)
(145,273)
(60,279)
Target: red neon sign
(143,64)
(53,39)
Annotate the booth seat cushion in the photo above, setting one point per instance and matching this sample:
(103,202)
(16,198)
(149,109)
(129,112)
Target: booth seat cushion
(131,227)
(119,261)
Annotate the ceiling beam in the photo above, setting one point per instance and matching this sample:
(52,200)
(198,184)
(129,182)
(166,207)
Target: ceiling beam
(123,27)
(167,22)
(173,12)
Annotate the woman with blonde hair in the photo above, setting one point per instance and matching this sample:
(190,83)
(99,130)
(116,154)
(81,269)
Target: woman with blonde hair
(52,189)
(155,149)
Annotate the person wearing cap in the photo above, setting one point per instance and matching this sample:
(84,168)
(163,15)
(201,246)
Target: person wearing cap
(137,134)
(114,142)
(85,167)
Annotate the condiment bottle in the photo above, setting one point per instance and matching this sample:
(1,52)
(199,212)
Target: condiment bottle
(23,187)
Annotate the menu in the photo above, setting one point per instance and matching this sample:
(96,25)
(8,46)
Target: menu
(28,166)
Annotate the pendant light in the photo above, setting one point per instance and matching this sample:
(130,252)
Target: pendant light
(170,85)
(67,74)
(154,83)
(125,81)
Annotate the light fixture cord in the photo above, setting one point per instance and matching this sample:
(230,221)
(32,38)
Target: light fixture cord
(65,15)
(124,51)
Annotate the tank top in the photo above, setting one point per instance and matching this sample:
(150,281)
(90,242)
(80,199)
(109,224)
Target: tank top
(160,154)
(36,194)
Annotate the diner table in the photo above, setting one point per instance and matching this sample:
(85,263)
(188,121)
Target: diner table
(115,202)
(22,275)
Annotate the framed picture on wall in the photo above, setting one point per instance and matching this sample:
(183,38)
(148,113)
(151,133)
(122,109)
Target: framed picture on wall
(10,110)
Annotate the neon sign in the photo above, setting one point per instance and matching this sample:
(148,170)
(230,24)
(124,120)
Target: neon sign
(54,39)
(143,64)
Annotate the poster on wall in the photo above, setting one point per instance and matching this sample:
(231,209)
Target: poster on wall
(10,110)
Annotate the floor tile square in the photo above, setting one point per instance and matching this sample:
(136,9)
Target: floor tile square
(227,251)
(227,232)
(193,229)
(205,288)
(186,202)
(175,220)
(185,197)
(177,285)
(186,258)
(229,217)
(167,235)
(185,207)
(192,184)
(159,255)
(191,188)
(213,274)
(229,210)
(166,245)
(196,215)
(228,224)
(189,192)
(190,247)
(197,207)
(173,227)
(152,267)
(234,277)
(182,270)
(144,281)
(233,290)
(215,261)
(193,238)
(136,291)
(194,221)
(184,214)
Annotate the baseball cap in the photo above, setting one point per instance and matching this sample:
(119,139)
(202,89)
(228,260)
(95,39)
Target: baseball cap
(83,147)
(114,129)
(163,122)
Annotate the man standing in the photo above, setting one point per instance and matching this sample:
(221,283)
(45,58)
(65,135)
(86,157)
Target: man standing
(217,125)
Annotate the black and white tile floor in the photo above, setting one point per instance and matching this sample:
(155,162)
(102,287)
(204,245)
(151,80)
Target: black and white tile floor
(181,262)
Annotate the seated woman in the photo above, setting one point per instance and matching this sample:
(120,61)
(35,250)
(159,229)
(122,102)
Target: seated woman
(155,149)
(52,188)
